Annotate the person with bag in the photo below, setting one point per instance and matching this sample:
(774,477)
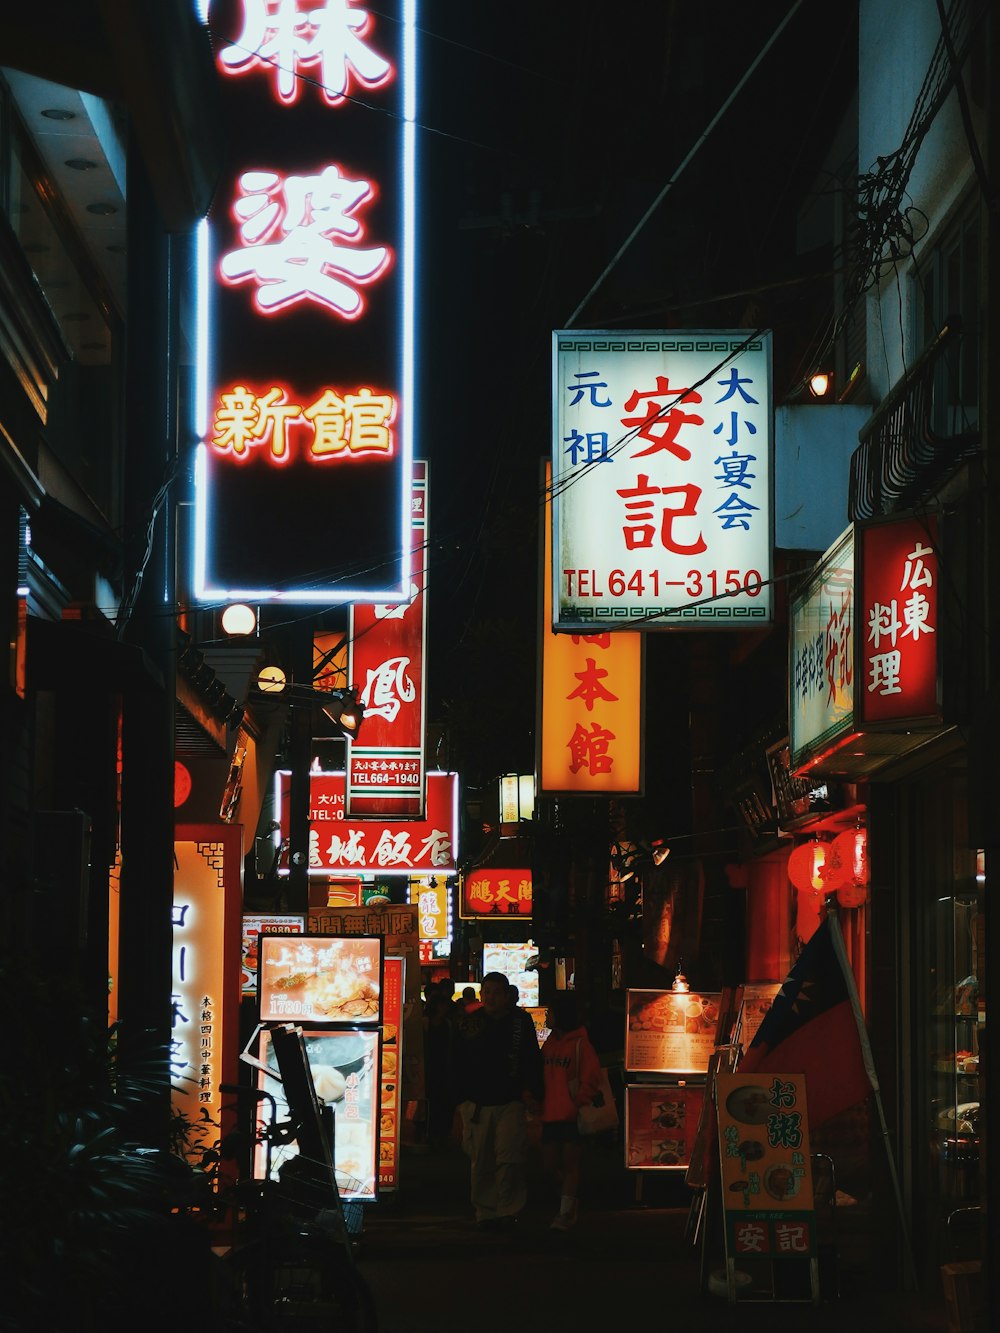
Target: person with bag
(498,1079)
(572,1071)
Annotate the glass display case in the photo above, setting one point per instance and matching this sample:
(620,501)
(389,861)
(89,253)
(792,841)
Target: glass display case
(958,1017)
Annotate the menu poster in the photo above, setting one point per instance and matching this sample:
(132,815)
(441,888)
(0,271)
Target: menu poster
(511,959)
(756,1002)
(538,1015)
(766,1171)
(343,1066)
(670,1032)
(661,1121)
(319,978)
(397,923)
(253,926)
(392,1038)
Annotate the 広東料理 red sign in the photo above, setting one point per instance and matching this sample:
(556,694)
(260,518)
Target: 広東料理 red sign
(898,628)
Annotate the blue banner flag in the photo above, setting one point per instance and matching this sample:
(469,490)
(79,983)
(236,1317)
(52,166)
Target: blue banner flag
(815,1027)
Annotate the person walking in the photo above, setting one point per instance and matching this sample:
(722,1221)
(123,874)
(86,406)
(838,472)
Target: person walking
(571,1070)
(438,1038)
(498,1078)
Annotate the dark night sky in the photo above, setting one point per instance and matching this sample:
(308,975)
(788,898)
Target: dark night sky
(568,125)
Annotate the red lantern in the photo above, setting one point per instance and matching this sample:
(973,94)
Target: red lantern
(805,866)
(836,869)
(852,848)
(852,894)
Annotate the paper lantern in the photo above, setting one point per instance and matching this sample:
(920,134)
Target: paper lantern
(836,868)
(805,866)
(852,894)
(852,848)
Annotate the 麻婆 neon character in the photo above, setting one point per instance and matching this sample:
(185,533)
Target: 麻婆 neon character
(292,230)
(324,36)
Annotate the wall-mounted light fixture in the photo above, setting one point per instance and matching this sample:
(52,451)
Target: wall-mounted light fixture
(271,680)
(239,619)
(820,383)
(343,708)
(628,857)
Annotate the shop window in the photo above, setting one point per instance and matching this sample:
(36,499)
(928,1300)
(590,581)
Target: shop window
(949,1010)
(948,285)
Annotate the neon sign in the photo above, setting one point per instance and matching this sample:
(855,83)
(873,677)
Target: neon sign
(250,424)
(307,263)
(283,39)
(293,229)
(898,621)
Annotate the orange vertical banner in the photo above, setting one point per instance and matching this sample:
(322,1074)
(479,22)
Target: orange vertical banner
(590,701)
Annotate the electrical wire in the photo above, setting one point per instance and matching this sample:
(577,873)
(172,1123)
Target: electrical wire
(127,607)
(692,153)
(928,102)
(387,113)
(882,233)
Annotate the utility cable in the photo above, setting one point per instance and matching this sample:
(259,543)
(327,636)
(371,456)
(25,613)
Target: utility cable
(690,156)
(963,103)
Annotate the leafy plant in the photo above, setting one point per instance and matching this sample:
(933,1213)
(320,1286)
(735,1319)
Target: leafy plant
(89,1231)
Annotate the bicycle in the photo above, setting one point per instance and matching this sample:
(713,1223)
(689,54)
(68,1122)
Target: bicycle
(293,1266)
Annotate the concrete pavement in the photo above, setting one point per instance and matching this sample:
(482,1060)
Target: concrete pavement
(631,1258)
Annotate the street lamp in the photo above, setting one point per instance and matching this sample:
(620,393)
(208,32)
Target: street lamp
(239,620)
(344,709)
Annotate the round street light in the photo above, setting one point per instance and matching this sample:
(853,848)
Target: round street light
(271,680)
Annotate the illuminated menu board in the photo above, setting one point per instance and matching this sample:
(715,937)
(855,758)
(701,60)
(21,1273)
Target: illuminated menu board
(319,978)
(344,1067)
(670,1031)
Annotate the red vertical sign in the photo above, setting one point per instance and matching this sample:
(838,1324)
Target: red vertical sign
(385,766)
(898,629)
(392,1033)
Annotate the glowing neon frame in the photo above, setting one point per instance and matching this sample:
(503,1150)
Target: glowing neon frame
(373,872)
(207,591)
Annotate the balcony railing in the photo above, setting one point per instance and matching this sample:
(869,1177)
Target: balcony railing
(901,459)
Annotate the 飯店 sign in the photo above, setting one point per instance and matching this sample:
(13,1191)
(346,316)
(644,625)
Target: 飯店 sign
(898,630)
(339,844)
(305,401)
(661,479)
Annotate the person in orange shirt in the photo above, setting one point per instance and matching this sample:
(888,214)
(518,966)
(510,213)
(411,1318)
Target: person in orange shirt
(571,1068)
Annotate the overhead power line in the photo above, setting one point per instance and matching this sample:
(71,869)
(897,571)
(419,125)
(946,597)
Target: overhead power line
(690,156)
